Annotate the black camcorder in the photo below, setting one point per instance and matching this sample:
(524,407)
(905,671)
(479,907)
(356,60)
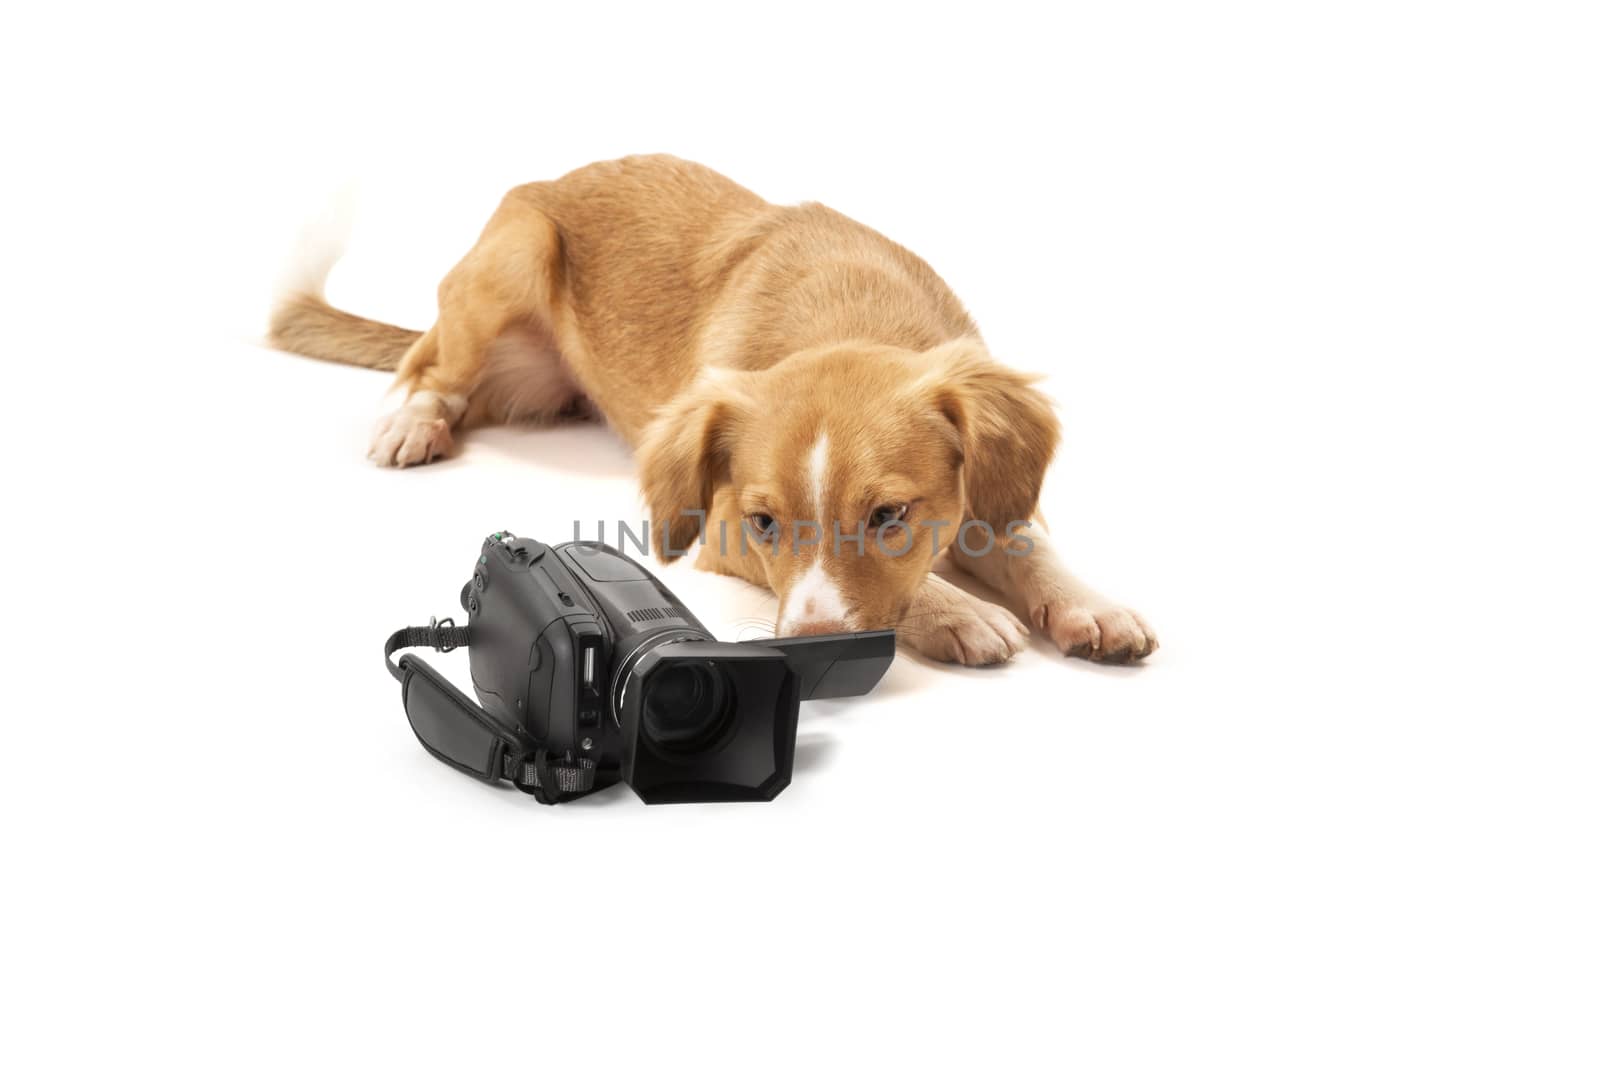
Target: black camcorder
(589,671)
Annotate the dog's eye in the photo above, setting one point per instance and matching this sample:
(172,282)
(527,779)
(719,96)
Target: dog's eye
(886,514)
(761,521)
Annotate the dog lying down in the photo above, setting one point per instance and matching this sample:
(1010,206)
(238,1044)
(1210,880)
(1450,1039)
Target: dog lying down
(806,399)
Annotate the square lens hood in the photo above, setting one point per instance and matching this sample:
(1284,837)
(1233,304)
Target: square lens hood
(749,755)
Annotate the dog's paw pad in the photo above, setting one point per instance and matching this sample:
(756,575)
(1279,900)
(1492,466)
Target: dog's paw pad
(407,437)
(1107,634)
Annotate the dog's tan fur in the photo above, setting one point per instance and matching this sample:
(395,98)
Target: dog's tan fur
(763,361)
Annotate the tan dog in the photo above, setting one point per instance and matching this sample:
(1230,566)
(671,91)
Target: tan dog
(810,387)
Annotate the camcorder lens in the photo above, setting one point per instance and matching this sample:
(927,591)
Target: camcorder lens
(686,707)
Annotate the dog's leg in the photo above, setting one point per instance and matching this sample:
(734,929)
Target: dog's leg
(501,295)
(1079,620)
(418,430)
(949,624)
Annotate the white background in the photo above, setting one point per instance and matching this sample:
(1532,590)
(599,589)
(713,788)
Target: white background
(1316,290)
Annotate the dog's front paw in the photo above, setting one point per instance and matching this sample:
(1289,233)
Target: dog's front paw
(1102,632)
(409,436)
(973,634)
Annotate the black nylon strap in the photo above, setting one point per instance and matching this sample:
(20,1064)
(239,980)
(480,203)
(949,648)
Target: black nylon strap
(570,778)
(449,716)
(445,636)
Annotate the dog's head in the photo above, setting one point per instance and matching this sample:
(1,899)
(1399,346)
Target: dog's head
(846,469)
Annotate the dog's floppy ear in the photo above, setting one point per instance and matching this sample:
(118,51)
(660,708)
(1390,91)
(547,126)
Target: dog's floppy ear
(682,458)
(1006,427)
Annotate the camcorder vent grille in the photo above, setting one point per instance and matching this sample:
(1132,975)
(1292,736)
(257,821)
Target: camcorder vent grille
(652,614)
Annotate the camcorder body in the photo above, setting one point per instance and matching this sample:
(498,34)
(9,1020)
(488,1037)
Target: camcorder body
(589,671)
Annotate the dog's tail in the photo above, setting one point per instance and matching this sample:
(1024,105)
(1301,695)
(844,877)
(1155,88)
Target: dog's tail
(302,321)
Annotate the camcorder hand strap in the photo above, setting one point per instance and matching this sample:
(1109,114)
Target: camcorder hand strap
(471,738)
